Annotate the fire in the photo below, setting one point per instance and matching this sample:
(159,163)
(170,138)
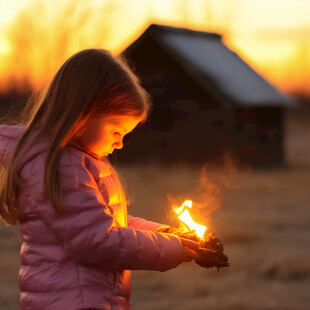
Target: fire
(185,217)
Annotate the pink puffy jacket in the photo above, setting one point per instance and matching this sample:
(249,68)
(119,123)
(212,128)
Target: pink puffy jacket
(81,258)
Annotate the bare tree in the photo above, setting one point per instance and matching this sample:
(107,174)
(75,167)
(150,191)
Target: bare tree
(41,40)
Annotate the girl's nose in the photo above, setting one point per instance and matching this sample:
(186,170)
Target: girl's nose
(118,144)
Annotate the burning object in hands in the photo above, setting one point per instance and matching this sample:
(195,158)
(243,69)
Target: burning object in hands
(210,248)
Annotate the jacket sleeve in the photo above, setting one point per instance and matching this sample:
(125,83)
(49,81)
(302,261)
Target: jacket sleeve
(88,234)
(142,224)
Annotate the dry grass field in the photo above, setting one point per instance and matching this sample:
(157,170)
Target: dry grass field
(263,221)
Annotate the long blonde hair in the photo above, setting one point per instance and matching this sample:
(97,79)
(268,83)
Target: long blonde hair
(92,81)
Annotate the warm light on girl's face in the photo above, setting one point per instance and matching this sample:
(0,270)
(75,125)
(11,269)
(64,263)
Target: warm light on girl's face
(105,134)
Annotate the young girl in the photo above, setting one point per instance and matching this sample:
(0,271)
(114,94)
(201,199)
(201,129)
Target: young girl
(56,182)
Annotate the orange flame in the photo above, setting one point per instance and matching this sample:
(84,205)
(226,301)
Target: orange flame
(186,218)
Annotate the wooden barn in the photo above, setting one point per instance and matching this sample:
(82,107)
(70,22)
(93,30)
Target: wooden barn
(207,102)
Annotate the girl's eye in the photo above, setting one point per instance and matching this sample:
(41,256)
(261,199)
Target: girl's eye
(116,133)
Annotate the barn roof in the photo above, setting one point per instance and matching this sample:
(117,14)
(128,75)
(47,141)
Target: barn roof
(213,66)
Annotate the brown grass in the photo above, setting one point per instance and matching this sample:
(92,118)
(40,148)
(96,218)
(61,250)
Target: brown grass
(264,223)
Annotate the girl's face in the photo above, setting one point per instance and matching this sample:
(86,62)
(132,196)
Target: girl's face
(105,134)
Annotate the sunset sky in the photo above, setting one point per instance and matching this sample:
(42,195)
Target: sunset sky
(36,36)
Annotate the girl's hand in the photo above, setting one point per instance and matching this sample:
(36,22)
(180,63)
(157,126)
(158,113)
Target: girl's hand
(189,250)
(189,244)
(205,259)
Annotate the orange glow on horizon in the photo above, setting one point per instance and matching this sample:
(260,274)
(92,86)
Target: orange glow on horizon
(42,35)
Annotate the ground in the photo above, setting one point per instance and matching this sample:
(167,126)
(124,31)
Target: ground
(263,220)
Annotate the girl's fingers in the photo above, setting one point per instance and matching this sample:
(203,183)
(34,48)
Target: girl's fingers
(188,255)
(189,250)
(190,244)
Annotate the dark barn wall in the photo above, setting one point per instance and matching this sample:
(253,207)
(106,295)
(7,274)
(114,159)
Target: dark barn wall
(186,123)
(259,135)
